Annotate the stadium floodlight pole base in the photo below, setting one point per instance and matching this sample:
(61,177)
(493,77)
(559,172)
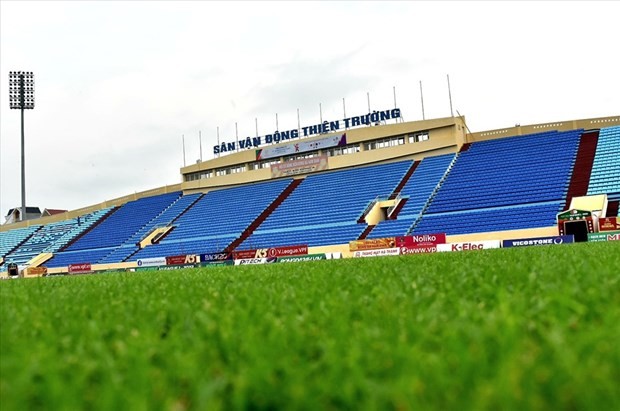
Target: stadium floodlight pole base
(23,215)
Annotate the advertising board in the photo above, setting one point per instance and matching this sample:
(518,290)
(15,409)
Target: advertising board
(215,257)
(421,240)
(604,236)
(301,166)
(376,253)
(372,244)
(182,259)
(418,249)
(151,262)
(272,252)
(80,268)
(561,239)
(253,261)
(307,257)
(608,224)
(468,246)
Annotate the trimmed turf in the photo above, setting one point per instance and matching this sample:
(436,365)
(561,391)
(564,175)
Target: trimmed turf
(512,329)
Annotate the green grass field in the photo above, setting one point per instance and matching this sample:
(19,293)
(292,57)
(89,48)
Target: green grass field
(513,329)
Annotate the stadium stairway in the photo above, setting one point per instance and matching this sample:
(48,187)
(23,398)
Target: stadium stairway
(395,194)
(216,220)
(113,231)
(506,184)
(419,190)
(366,232)
(165,218)
(12,240)
(263,216)
(582,169)
(88,229)
(326,207)
(53,236)
(404,181)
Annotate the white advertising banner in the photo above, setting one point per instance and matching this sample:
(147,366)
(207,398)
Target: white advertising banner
(151,262)
(301,147)
(376,253)
(247,261)
(467,246)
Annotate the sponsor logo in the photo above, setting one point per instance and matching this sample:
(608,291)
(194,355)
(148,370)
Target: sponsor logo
(80,268)
(407,250)
(248,254)
(421,240)
(372,244)
(151,262)
(183,259)
(175,267)
(271,252)
(250,261)
(288,251)
(563,239)
(36,271)
(608,224)
(214,257)
(377,253)
(469,246)
(605,236)
(308,257)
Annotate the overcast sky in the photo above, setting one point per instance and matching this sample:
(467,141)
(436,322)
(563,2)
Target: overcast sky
(118,83)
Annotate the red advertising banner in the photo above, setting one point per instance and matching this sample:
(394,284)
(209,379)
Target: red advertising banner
(608,224)
(272,252)
(372,244)
(421,240)
(245,254)
(287,251)
(182,259)
(80,268)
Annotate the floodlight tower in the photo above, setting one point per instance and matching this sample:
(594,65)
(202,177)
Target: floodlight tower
(21,94)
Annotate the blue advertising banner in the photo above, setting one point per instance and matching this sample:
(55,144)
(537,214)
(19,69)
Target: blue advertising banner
(561,239)
(215,257)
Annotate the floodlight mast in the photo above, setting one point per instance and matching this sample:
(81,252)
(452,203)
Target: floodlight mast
(21,96)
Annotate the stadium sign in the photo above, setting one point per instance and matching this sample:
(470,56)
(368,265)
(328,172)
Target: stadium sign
(175,267)
(307,257)
(253,261)
(421,240)
(215,257)
(80,268)
(321,128)
(376,253)
(608,224)
(605,236)
(372,244)
(562,239)
(301,147)
(417,249)
(271,252)
(468,246)
(301,166)
(151,262)
(183,259)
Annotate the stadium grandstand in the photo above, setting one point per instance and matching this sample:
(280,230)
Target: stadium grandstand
(369,181)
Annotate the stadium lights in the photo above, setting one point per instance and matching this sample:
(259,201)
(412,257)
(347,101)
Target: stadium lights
(21,96)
